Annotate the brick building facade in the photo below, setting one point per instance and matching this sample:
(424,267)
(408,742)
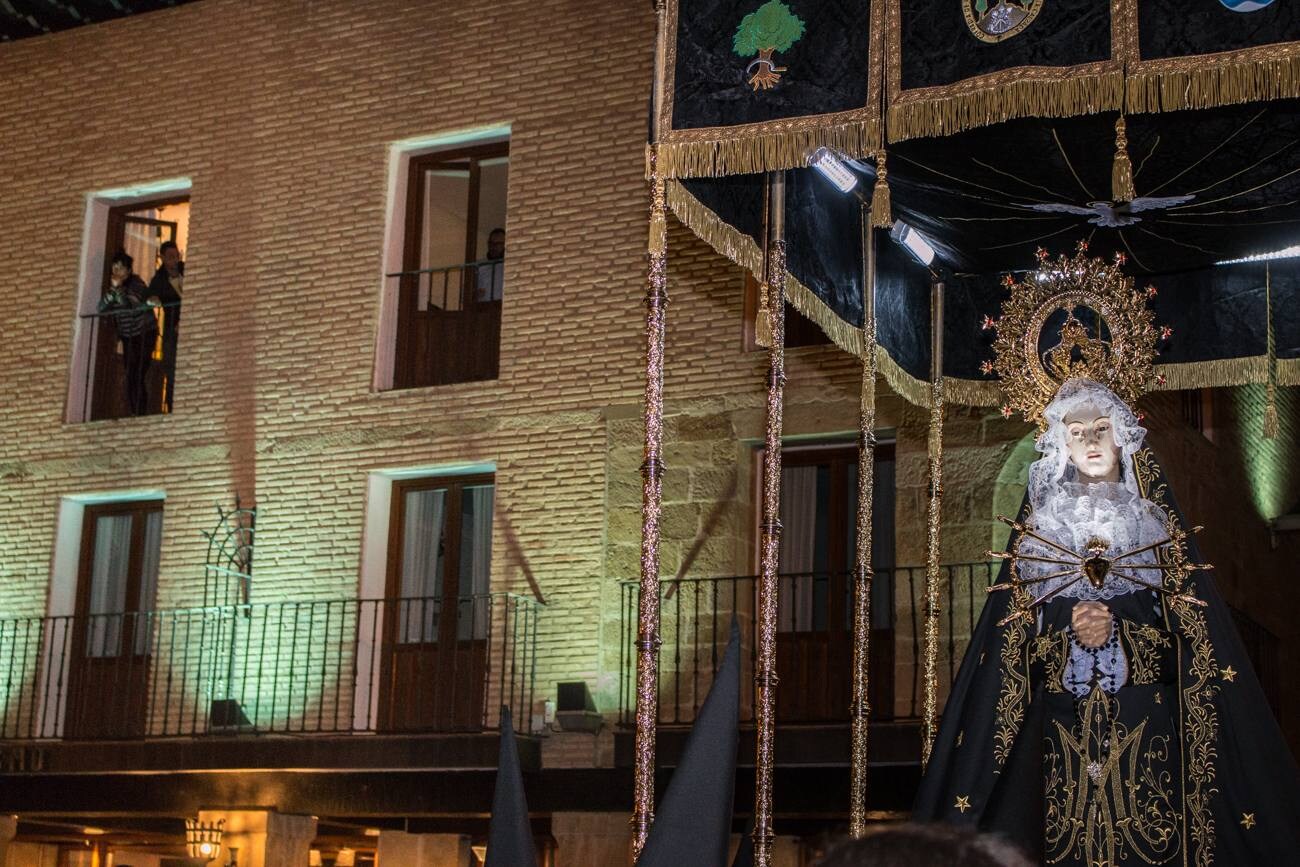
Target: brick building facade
(288,125)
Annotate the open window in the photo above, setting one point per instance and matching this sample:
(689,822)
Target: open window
(819,496)
(124,360)
(452,279)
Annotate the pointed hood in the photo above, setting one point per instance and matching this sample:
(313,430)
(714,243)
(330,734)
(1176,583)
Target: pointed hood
(510,837)
(693,822)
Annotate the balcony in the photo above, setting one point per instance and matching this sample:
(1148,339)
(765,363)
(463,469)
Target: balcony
(308,667)
(117,381)
(814,655)
(449,324)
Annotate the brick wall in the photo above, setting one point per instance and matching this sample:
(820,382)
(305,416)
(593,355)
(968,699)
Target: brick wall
(282,114)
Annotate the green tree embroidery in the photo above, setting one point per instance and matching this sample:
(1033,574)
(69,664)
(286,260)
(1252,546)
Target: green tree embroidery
(771,27)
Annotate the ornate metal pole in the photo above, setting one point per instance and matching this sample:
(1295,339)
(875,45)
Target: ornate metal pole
(863,573)
(770,539)
(652,469)
(931,649)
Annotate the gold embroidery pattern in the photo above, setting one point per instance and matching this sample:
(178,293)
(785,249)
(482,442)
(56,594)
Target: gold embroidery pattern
(1051,650)
(1014,692)
(1103,806)
(1200,720)
(1145,644)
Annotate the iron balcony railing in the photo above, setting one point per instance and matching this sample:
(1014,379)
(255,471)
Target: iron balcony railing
(449,324)
(814,640)
(102,389)
(455,287)
(303,667)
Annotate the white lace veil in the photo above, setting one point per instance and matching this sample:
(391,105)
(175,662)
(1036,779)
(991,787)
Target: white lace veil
(1049,474)
(1070,512)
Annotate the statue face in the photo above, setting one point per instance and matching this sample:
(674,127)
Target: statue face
(1090,441)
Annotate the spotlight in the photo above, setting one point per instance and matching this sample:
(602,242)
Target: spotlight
(916,243)
(833,169)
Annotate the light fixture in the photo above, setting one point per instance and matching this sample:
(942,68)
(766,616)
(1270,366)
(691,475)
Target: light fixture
(832,168)
(313,858)
(920,248)
(480,852)
(345,858)
(371,832)
(203,841)
(92,832)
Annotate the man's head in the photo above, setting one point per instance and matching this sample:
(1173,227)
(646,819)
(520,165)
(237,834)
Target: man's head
(922,846)
(170,255)
(496,246)
(1090,442)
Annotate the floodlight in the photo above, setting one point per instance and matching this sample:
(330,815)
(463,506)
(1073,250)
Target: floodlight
(920,248)
(832,168)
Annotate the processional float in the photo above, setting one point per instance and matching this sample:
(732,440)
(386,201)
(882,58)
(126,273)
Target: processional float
(1165,131)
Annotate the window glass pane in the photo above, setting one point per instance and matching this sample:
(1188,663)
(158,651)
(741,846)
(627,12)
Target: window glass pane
(143,626)
(475,561)
(423,528)
(108,578)
(801,514)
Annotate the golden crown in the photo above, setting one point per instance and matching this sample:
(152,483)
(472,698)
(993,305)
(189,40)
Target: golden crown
(1118,352)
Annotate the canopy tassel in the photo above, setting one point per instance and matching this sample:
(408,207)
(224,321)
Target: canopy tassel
(1121,173)
(763,319)
(1270,406)
(882,212)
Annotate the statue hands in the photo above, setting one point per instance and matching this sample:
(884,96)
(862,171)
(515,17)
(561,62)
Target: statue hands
(1091,622)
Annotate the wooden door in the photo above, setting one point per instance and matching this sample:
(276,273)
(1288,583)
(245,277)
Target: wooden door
(437,612)
(815,609)
(112,636)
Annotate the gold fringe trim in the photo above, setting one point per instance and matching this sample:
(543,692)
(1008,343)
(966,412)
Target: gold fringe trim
(967,392)
(1288,371)
(1213,374)
(1121,172)
(1063,94)
(745,252)
(1272,73)
(882,210)
(737,152)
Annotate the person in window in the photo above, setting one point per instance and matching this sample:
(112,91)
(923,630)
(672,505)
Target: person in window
(165,288)
(492,272)
(137,329)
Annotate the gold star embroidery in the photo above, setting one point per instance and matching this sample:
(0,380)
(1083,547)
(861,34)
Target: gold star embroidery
(963,803)
(1228,674)
(960,735)
(1247,820)
(1158,699)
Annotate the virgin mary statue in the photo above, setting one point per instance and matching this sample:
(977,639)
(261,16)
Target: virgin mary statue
(1105,713)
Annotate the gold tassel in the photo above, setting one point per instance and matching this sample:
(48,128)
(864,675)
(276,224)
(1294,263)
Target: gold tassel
(1121,173)
(881,209)
(1270,414)
(658,233)
(763,321)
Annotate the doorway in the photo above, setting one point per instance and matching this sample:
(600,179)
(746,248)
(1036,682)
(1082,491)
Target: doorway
(139,229)
(819,495)
(437,608)
(112,635)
